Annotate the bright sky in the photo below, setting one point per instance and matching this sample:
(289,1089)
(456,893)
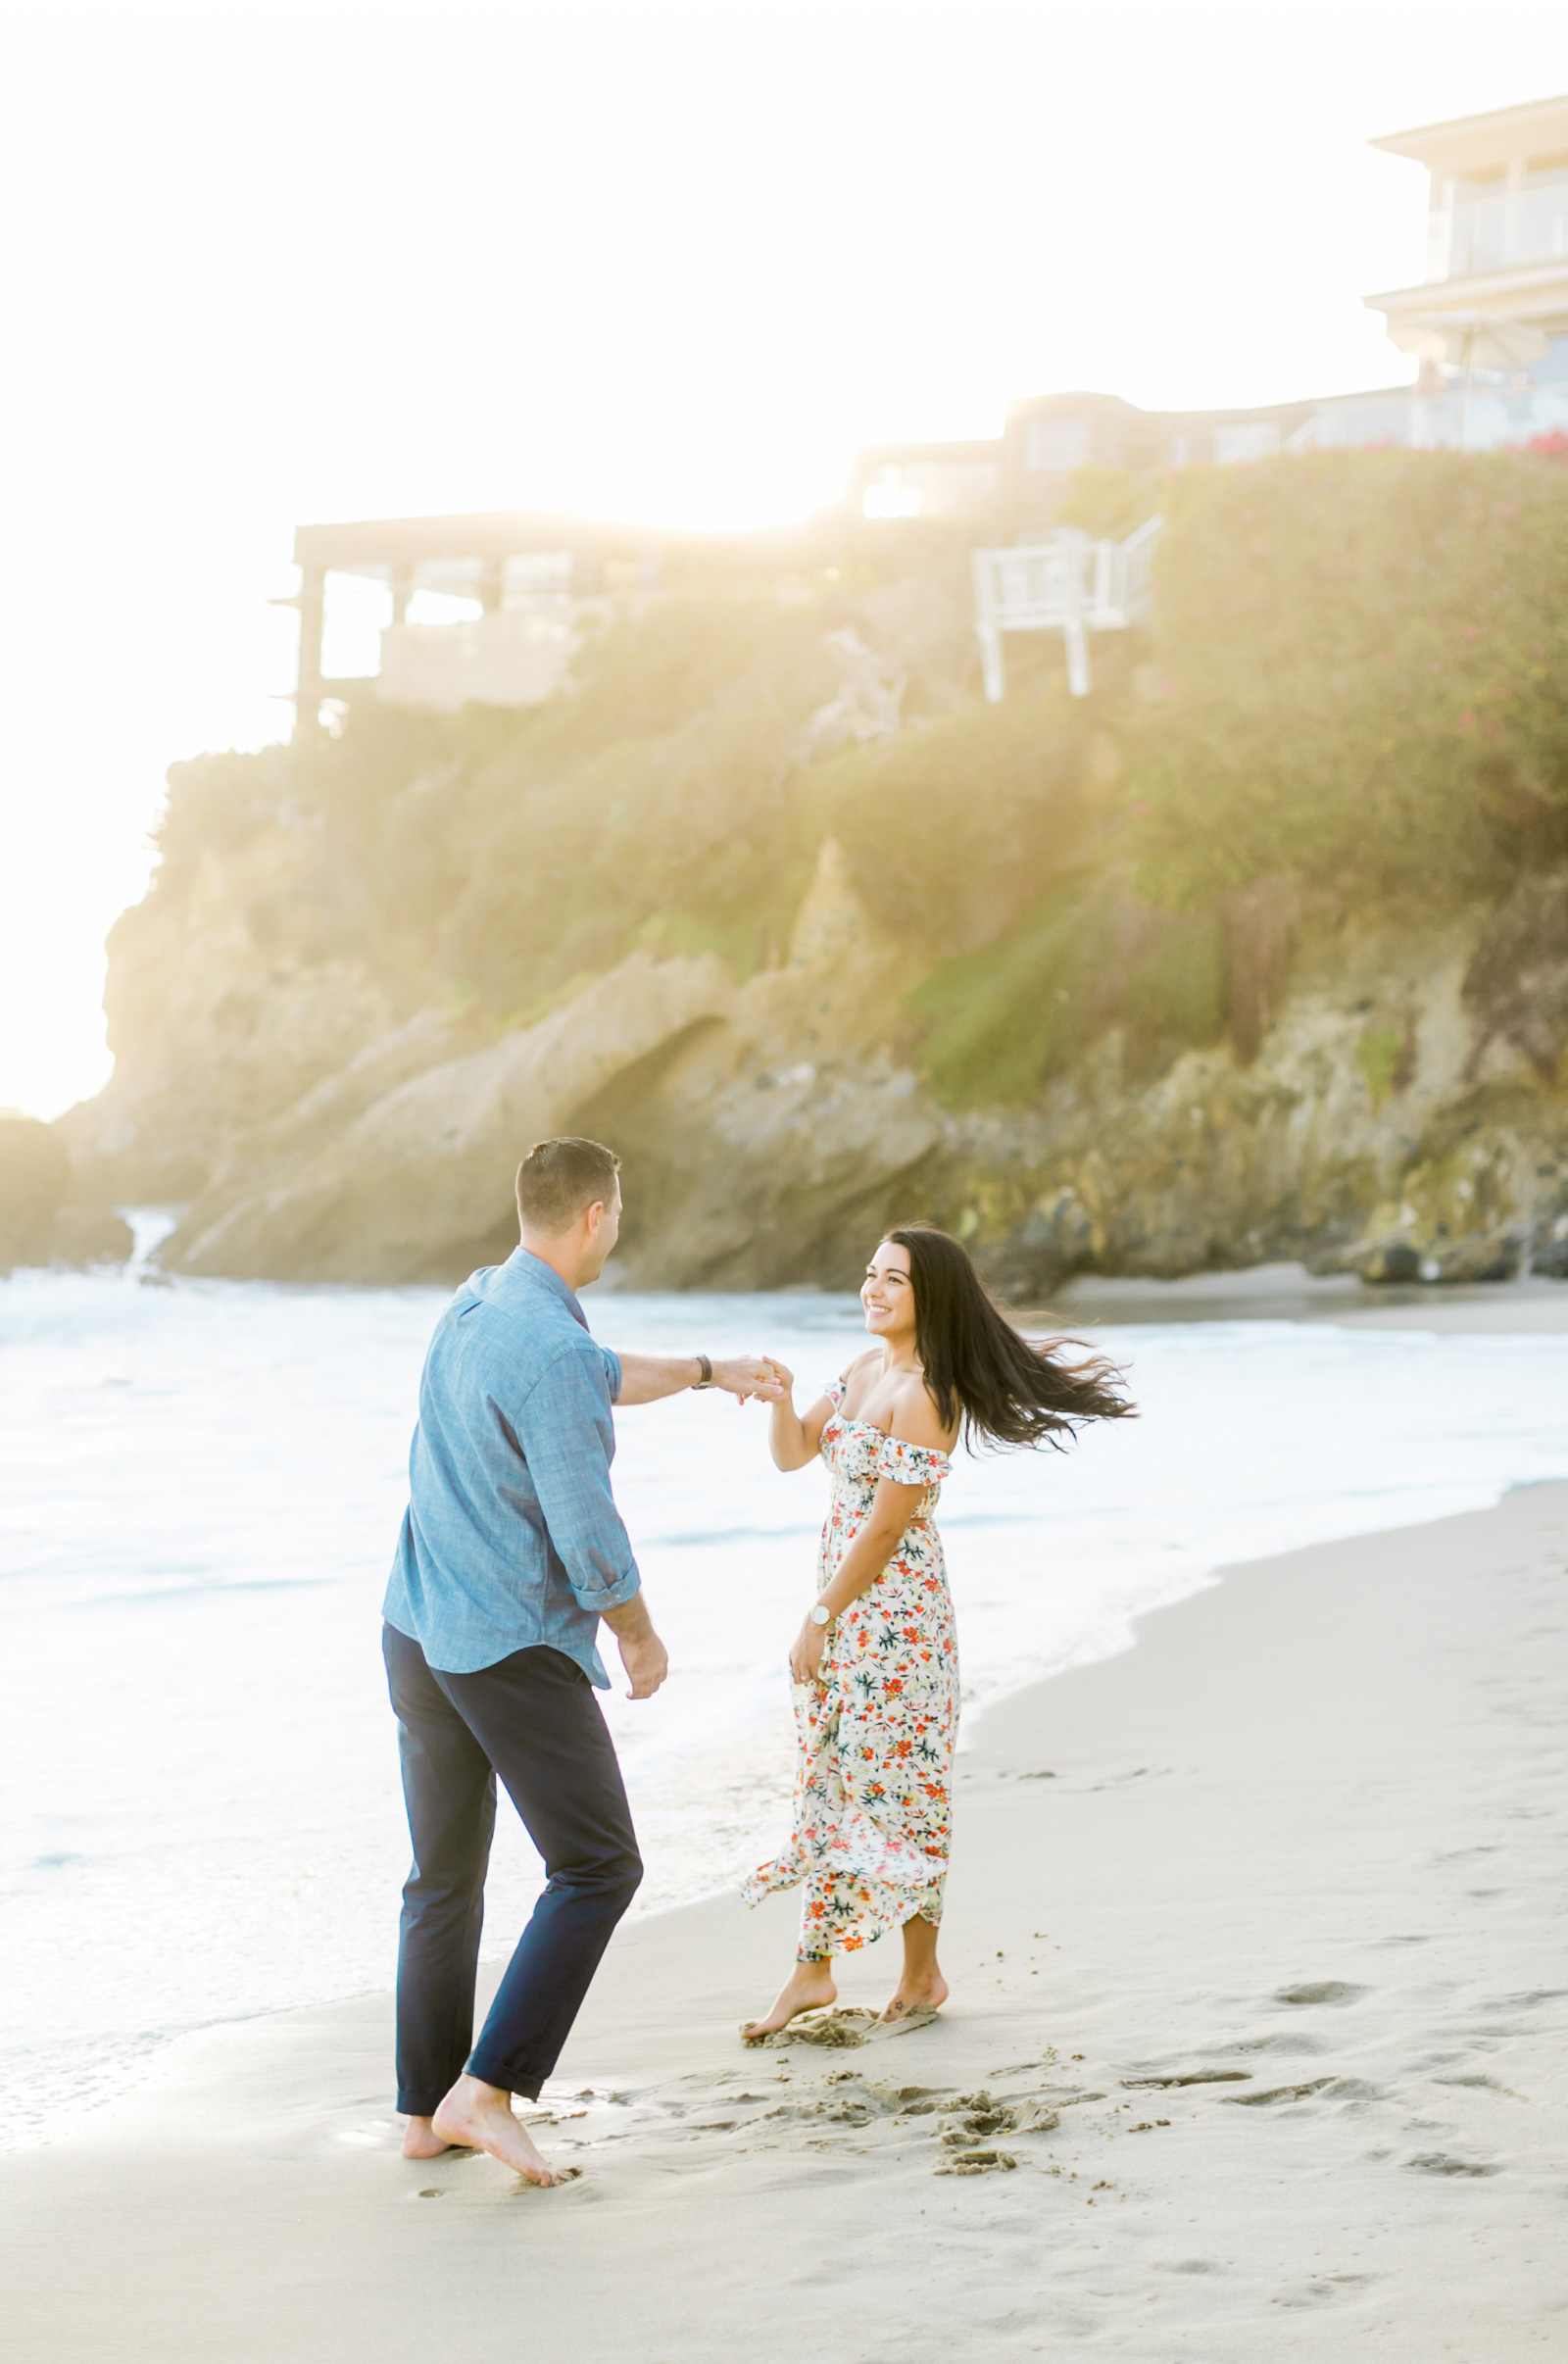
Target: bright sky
(265,265)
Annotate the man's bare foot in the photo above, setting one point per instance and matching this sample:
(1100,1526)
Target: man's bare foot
(808,1988)
(421,2142)
(479,2118)
(915,1995)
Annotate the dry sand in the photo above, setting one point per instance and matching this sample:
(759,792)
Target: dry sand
(1302,1845)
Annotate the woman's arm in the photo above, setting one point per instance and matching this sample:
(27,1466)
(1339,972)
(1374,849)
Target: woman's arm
(797,1440)
(794,1441)
(875,1541)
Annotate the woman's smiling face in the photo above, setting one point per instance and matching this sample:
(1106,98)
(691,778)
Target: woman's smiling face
(888,1294)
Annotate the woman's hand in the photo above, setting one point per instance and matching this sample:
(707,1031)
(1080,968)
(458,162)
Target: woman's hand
(783,1378)
(805,1659)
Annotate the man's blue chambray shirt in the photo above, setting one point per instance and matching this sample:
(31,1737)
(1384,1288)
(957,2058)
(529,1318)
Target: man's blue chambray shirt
(512,1535)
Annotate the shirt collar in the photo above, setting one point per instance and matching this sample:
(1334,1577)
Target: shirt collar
(532,1270)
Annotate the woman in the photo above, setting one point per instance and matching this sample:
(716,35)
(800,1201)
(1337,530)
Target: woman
(875,1663)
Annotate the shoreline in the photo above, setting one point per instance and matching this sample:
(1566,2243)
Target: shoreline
(1298,1840)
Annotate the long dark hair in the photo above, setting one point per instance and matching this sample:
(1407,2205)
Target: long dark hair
(1001,1387)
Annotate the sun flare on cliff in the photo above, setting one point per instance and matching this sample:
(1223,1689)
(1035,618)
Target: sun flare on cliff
(664,265)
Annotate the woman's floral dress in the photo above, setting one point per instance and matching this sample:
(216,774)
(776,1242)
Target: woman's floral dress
(873,1796)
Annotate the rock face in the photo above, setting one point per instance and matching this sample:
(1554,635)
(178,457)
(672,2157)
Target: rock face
(744,1161)
(34,1172)
(1404,1118)
(36,1227)
(765,1151)
(1391,1099)
(418,1182)
(216,1025)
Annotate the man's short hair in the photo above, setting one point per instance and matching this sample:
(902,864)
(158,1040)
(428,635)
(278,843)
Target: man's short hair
(558,1179)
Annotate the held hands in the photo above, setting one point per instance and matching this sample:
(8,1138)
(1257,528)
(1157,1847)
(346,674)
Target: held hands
(745,1375)
(805,1659)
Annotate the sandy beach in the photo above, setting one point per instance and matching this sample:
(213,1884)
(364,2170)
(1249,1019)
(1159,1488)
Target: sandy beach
(1254,1934)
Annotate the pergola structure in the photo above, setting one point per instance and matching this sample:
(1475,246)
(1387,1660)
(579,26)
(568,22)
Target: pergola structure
(530,573)
(491,558)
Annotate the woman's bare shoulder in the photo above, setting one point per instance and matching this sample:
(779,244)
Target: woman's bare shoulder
(915,1418)
(857,1362)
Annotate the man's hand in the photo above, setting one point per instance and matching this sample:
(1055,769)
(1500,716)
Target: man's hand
(745,1376)
(642,1653)
(647,1663)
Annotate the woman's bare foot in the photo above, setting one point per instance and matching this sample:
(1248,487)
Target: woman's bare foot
(924,1994)
(808,1988)
(922,1987)
(421,2142)
(479,2118)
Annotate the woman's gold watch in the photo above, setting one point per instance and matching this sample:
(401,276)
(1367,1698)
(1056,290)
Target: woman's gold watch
(819,1615)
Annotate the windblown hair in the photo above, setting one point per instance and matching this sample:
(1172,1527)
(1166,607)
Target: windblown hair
(558,1179)
(998,1387)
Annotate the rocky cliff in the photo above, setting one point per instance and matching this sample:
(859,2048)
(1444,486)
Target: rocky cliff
(1401,1115)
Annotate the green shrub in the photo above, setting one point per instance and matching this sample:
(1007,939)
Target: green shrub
(953,829)
(1361,672)
(993,1027)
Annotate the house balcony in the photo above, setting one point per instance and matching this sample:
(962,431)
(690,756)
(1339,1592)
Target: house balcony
(1485,416)
(1509,230)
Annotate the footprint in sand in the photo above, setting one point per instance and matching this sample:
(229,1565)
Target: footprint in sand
(1278,2092)
(838,2031)
(978,2163)
(1323,2292)
(1189,2077)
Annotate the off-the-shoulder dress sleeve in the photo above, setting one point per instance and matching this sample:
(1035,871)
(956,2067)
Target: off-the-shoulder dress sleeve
(905,1465)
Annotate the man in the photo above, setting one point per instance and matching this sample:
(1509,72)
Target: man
(511,1550)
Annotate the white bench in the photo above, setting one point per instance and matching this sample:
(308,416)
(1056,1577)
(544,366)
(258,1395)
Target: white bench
(1065,582)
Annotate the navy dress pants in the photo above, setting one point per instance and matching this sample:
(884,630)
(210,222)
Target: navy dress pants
(533,1721)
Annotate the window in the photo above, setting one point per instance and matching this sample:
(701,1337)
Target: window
(1480,235)
(891,494)
(530,576)
(1257,439)
(1542,231)
(1055,446)
(929,488)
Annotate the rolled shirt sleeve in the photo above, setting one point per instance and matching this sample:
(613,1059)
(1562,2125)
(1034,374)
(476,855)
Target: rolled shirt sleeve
(568,1441)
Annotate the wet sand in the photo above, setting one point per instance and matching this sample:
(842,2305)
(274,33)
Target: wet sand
(1255,1938)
